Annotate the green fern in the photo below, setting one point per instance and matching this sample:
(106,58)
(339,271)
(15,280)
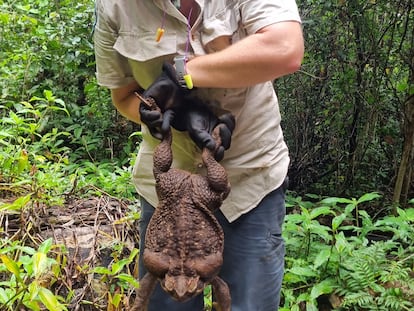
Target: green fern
(371,281)
(359,299)
(395,299)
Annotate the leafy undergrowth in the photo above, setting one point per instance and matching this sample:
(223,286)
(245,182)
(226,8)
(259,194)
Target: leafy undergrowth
(67,240)
(341,258)
(81,255)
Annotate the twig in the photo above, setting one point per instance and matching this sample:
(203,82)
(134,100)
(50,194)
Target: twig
(141,98)
(311,75)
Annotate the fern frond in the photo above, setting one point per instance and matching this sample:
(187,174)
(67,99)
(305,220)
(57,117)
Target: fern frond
(394,300)
(361,299)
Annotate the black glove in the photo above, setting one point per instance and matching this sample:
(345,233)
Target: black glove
(159,122)
(168,95)
(226,125)
(165,90)
(152,117)
(200,122)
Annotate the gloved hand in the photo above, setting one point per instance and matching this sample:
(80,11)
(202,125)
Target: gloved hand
(151,116)
(165,90)
(200,122)
(226,124)
(168,95)
(159,122)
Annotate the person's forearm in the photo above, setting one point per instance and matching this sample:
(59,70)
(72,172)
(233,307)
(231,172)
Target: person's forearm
(265,56)
(129,108)
(126,102)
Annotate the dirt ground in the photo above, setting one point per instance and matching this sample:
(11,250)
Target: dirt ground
(92,232)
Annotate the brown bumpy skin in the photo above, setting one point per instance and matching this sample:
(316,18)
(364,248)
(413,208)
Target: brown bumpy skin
(184,241)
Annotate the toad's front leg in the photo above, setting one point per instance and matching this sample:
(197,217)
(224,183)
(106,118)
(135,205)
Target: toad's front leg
(146,287)
(163,155)
(221,293)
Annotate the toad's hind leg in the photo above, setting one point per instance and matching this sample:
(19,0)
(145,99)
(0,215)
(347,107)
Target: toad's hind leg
(216,174)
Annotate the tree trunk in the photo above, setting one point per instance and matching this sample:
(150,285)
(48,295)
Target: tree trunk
(404,176)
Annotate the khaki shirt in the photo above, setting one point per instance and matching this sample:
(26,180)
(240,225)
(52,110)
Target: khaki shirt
(126,49)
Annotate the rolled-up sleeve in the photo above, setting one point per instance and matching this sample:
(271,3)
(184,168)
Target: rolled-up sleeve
(112,69)
(258,13)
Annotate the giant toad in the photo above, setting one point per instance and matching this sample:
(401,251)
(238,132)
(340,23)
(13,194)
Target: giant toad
(184,241)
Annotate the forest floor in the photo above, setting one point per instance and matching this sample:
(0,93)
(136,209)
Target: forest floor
(92,232)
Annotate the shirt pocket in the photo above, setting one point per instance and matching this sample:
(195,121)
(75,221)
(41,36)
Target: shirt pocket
(141,46)
(144,54)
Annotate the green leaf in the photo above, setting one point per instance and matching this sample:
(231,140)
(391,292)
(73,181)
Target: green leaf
(303,271)
(60,102)
(49,300)
(32,305)
(27,250)
(101,270)
(402,86)
(367,221)
(323,210)
(321,230)
(291,278)
(407,214)
(3,296)
(369,197)
(118,266)
(4,18)
(40,264)
(312,196)
(350,207)
(324,287)
(46,246)
(334,200)
(116,299)
(135,252)
(18,204)
(303,297)
(49,95)
(376,287)
(341,243)
(337,221)
(295,218)
(129,279)
(36,98)
(11,265)
(77,132)
(311,306)
(4,134)
(33,290)
(321,258)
